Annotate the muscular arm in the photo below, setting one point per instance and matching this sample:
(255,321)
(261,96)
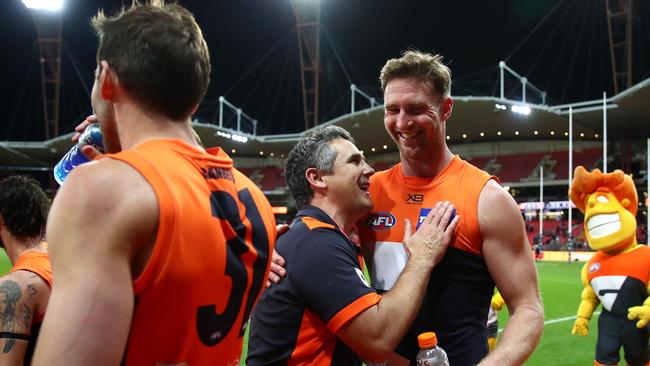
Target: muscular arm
(18,305)
(375,332)
(100,220)
(507,253)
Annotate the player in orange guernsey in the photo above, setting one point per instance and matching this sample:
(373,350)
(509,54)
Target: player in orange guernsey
(490,245)
(324,312)
(25,290)
(160,248)
(618,275)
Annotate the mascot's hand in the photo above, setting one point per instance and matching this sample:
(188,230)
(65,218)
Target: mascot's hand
(639,312)
(581,326)
(497,302)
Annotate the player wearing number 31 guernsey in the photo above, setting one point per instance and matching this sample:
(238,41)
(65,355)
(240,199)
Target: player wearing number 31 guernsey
(160,249)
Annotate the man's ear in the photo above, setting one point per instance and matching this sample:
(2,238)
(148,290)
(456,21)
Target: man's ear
(314,178)
(446,107)
(107,81)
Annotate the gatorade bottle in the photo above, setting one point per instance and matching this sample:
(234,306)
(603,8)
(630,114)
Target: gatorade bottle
(91,136)
(430,354)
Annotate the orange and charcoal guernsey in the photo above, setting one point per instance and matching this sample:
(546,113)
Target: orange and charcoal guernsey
(210,260)
(39,264)
(460,288)
(620,281)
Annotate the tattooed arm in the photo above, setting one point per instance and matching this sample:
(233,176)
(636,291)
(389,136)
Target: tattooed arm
(18,305)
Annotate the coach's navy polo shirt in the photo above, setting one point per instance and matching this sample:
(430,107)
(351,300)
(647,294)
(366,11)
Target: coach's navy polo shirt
(296,320)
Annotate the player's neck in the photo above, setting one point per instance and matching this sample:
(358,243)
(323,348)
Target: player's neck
(17,247)
(428,168)
(135,126)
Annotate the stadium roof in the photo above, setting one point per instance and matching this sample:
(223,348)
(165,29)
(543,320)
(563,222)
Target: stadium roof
(628,115)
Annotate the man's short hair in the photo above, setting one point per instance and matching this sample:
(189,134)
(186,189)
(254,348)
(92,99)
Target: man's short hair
(23,206)
(158,52)
(313,151)
(419,65)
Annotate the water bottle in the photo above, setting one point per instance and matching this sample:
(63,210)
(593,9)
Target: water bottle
(92,135)
(430,354)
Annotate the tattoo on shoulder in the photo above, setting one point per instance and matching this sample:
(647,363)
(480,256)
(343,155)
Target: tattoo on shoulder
(14,317)
(31,289)
(9,295)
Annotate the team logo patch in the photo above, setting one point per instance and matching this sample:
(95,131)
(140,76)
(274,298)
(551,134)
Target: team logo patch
(379,221)
(361,277)
(425,211)
(594,267)
(414,198)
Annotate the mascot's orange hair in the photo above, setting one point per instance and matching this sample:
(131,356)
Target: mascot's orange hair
(616,182)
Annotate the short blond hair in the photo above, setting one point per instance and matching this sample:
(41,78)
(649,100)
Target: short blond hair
(419,65)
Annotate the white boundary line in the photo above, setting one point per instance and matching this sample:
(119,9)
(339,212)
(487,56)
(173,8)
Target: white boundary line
(558,320)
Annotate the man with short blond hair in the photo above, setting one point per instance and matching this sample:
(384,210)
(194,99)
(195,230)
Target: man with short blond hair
(490,245)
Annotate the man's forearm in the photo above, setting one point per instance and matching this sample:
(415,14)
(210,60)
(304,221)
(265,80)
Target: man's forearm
(399,306)
(520,337)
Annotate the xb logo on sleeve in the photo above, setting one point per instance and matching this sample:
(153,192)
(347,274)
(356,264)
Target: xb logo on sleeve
(414,198)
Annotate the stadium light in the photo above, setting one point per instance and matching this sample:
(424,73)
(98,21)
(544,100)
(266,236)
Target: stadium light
(50,5)
(521,109)
(234,137)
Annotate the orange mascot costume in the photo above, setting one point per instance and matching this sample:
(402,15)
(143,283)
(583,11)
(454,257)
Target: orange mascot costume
(618,275)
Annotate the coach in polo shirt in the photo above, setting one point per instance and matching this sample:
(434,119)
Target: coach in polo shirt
(324,312)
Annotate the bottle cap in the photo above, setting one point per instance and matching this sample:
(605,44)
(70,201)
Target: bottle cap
(427,339)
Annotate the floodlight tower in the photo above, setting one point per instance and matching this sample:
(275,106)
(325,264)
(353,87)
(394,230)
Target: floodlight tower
(619,25)
(46,15)
(307,14)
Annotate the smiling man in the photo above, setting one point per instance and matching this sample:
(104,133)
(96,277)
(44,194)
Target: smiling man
(324,312)
(490,245)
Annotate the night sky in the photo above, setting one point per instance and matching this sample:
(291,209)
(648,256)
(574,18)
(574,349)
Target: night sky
(560,46)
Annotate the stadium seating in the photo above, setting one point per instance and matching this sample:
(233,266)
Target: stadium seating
(272,178)
(515,168)
(587,158)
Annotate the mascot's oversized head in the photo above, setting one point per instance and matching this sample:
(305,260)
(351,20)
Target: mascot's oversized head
(609,202)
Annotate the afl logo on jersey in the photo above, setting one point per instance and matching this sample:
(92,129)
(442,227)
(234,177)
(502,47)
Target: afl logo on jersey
(594,267)
(379,221)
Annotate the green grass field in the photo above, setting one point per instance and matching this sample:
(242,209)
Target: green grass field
(5,265)
(560,286)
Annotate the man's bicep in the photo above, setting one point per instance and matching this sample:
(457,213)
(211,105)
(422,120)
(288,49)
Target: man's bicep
(505,245)
(96,223)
